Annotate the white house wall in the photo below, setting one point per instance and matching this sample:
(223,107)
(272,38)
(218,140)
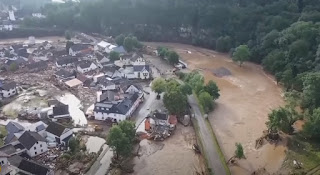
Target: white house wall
(66,134)
(3,160)
(38,148)
(9,93)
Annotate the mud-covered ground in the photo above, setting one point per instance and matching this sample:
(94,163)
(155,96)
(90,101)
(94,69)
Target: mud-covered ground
(247,96)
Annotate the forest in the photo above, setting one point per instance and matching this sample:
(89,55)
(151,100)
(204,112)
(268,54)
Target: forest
(282,35)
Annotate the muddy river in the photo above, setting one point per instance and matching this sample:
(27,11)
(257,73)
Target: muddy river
(247,96)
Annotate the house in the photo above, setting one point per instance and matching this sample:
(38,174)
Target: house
(6,25)
(130,89)
(9,89)
(119,49)
(73,83)
(14,127)
(22,52)
(85,81)
(58,133)
(3,158)
(128,72)
(61,111)
(160,118)
(79,48)
(102,45)
(142,71)
(14,48)
(137,59)
(13,149)
(37,66)
(28,167)
(102,59)
(117,111)
(66,61)
(106,84)
(86,66)
(46,45)
(34,143)
(63,74)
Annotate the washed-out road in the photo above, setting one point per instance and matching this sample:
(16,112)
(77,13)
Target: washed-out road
(209,147)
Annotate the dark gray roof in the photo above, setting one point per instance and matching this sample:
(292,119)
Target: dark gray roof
(119,49)
(38,65)
(9,86)
(139,68)
(135,56)
(79,47)
(17,46)
(66,60)
(28,139)
(14,127)
(160,116)
(23,52)
(15,160)
(55,128)
(33,167)
(64,73)
(105,82)
(8,138)
(107,96)
(85,64)
(40,128)
(3,154)
(60,110)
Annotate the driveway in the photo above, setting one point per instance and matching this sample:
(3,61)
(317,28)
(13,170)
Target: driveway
(210,148)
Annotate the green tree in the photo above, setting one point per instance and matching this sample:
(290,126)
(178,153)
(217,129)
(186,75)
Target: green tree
(67,35)
(114,56)
(128,44)
(173,57)
(239,153)
(186,89)
(13,67)
(241,54)
(311,128)
(281,119)
(119,142)
(212,89)
(175,101)
(128,128)
(206,101)
(195,80)
(158,85)
(223,44)
(311,90)
(120,39)
(74,145)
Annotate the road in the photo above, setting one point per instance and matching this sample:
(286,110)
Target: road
(210,148)
(102,164)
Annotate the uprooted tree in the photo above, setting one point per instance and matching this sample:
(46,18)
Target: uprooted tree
(238,153)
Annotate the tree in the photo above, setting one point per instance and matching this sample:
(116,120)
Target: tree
(162,51)
(68,45)
(281,119)
(195,80)
(128,128)
(158,85)
(119,142)
(67,34)
(120,39)
(114,56)
(175,101)
(241,54)
(223,44)
(128,44)
(212,89)
(13,67)
(310,91)
(186,89)
(173,57)
(311,128)
(206,101)
(74,145)
(238,153)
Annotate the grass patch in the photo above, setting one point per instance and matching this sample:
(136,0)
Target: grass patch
(304,151)
(3,133)
(221,156)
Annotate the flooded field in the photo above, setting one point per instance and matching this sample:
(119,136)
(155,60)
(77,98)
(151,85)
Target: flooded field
(247,96)
(172,156)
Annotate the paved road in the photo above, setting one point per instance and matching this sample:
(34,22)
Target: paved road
(207,140)
(102,164)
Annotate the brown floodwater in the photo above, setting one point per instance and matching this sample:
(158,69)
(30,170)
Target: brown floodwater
(247,96)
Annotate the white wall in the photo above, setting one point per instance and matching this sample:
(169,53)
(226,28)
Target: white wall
(9,93)
(3,160)
(104,116)
(37,149)
(43,133)
(143,75)
(66,134)
(92,67)
(132,89)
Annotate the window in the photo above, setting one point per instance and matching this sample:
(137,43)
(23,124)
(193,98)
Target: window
(34,148)
(40,145)
(35,153)
(102,118)
(2,162)
(41,150)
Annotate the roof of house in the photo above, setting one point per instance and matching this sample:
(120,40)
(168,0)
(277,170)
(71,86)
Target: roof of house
(9,86)
(139,68)
(99,56)
(66,60)
(8,149)
(55,128)
(61,110)
(64,73)
(107,96)
(85,64)
(17,46)
(79,47)
(38,65)
(28,139)
(23,52)
(15,160)
(13,127)
(103,44)
(73,83)
(3,154)
(105,82)
(9,138)
(119,49)
(135,56)
(33,167)
(82,78)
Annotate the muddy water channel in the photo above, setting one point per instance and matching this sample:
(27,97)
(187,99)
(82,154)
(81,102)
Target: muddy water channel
(247,96)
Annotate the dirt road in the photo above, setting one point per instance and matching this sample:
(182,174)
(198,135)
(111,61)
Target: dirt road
(247,96)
